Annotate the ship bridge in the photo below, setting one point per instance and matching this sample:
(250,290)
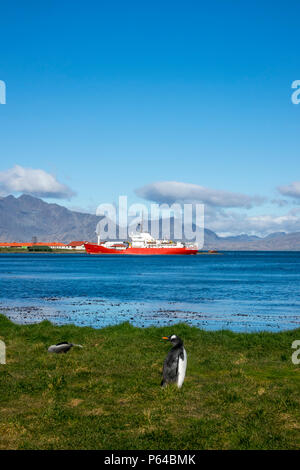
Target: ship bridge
(141,239)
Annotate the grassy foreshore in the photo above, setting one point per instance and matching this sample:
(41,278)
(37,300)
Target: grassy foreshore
(241,390)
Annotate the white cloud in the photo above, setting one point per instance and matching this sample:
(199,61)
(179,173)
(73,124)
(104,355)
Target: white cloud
(292,190)
(172,191)
(235,223)
(33,181)
(225,212)
(280,202)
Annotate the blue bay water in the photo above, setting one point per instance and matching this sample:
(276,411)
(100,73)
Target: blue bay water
(241,291)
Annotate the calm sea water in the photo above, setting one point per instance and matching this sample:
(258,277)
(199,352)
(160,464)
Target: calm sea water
(241,291)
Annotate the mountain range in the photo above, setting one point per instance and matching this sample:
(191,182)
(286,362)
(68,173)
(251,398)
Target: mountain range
(26,217)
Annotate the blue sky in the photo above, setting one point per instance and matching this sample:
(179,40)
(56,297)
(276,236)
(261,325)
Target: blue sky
(112,97)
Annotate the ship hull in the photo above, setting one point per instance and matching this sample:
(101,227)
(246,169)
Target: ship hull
(95,249)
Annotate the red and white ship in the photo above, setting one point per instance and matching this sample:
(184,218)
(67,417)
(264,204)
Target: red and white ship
(141,244)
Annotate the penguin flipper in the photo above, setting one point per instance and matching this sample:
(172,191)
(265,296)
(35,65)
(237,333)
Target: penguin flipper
(170,368)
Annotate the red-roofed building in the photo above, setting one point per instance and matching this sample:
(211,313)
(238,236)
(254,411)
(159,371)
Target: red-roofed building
(77,245)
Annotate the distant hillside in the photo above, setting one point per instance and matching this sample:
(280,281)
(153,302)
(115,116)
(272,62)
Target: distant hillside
(25,217)
(273,242)
(278,241)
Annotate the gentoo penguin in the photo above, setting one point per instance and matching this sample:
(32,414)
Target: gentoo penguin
(63,347)
(175,362)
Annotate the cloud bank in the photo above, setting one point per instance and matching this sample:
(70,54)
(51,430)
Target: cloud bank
(36,182)
(226,213)
(172,191)
(291,190)
(231,222)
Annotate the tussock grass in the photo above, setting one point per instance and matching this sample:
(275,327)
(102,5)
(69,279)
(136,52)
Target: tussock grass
(241,390)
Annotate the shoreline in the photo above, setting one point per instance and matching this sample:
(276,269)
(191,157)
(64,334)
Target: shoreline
(221,252)
(61,251)
(150,326)
(99,313)
(200,252)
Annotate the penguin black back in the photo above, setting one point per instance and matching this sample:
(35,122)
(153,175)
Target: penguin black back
(175,363)
(62,347)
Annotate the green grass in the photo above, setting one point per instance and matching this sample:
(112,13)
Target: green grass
(241,390)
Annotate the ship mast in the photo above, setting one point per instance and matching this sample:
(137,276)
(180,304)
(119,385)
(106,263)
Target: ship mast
(98,236)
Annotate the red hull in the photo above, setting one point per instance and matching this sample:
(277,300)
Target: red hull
(95,249)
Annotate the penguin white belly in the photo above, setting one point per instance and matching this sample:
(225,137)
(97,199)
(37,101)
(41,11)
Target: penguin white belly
(181,369)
